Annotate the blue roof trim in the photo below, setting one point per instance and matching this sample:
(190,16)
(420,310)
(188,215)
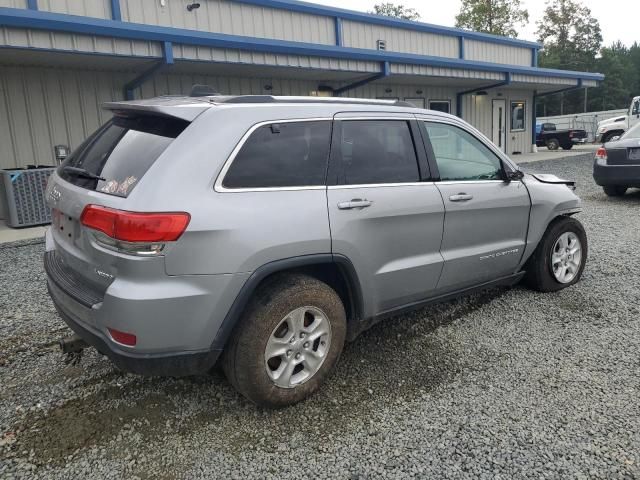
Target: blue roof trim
(315,9)
(31,19)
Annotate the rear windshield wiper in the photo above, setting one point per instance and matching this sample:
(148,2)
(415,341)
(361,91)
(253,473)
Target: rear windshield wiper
(81,172)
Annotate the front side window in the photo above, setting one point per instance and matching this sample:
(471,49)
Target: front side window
(460,156)
(517,116)
(636,108)
(377,151)
(289,154)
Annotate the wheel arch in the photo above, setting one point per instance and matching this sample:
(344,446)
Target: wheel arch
(337,271)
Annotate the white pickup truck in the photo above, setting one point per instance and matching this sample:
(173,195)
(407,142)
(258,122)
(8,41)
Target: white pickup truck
(607,129)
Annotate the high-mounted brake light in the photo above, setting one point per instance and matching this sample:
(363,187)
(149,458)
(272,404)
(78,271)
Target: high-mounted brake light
(601,154)
(135,227)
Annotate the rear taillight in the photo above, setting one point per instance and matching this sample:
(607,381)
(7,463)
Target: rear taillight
(601,154)
(571,134)
(135,232)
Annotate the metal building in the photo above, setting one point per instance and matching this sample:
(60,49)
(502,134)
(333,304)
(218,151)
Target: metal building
(60,59)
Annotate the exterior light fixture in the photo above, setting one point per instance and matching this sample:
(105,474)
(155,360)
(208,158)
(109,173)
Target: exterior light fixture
(268,87)
(193,6)
(61,152)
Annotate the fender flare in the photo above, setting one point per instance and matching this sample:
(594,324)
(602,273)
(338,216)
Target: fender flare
(344,265)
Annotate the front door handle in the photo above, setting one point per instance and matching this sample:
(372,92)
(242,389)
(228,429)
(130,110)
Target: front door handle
(461,197)
(355,203)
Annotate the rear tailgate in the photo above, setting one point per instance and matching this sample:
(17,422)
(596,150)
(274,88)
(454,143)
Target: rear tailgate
(103,171)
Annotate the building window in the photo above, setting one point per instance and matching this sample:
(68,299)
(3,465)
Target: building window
(290,154)
(440,105)
(518,115)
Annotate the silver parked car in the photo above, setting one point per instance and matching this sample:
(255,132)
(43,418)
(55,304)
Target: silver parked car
(269,230)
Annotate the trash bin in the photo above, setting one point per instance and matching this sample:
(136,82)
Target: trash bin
(22,196)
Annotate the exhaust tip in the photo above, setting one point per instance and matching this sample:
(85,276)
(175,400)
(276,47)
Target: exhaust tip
(72,344)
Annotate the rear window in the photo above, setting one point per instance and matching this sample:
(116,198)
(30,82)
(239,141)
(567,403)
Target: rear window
(120,153)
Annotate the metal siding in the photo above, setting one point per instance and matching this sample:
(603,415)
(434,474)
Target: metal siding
(180,84)
(86,8)
(13,3)
(543,80)
(43,107)
(424,70)
(497,53)
(365,35)
(207,54)
(233,18)
(21,38)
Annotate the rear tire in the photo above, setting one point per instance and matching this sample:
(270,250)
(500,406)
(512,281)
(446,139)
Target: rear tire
(553,144)
(544,268)
(287,314)
(614,190)
(568,146)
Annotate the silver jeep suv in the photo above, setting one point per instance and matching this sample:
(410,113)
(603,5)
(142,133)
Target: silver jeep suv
(268,230)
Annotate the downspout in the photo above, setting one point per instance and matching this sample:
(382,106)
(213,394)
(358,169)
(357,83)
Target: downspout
(506,81)
(167,60)
(385,72)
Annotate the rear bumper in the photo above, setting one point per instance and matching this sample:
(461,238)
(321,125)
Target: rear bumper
(579,140)
(175,364)
(616,175)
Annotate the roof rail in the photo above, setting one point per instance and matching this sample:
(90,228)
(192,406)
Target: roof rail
(244,99)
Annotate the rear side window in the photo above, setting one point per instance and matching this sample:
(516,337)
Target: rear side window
(377,151)
(290,154)
(120,153)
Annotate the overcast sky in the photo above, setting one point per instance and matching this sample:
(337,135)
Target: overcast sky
(619,19)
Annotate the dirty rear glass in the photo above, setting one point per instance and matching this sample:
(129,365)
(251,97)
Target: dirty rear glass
(120,152)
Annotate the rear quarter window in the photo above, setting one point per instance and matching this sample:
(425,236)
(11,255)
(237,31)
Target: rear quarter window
(288,154)
(120,153)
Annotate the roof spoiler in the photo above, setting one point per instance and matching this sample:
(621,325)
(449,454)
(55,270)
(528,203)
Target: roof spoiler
(165,106)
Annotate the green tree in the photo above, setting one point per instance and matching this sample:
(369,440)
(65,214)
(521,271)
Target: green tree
(570,34)
(397,11)
(572,39)
(498,17)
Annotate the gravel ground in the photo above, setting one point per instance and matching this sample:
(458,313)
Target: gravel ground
(508,384)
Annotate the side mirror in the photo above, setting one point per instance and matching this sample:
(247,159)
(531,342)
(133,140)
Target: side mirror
(514,176)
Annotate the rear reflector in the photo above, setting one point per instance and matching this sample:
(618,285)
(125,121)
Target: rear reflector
(134,226)
(123,337)
(601,153)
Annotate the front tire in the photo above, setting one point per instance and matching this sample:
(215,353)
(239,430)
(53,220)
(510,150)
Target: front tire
(559,259)
(288,341)
(614,190)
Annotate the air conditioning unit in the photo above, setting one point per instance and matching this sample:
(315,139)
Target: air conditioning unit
(22,196)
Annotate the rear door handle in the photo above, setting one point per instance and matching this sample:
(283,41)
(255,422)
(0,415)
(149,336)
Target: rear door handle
(461,197)
(355,203)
